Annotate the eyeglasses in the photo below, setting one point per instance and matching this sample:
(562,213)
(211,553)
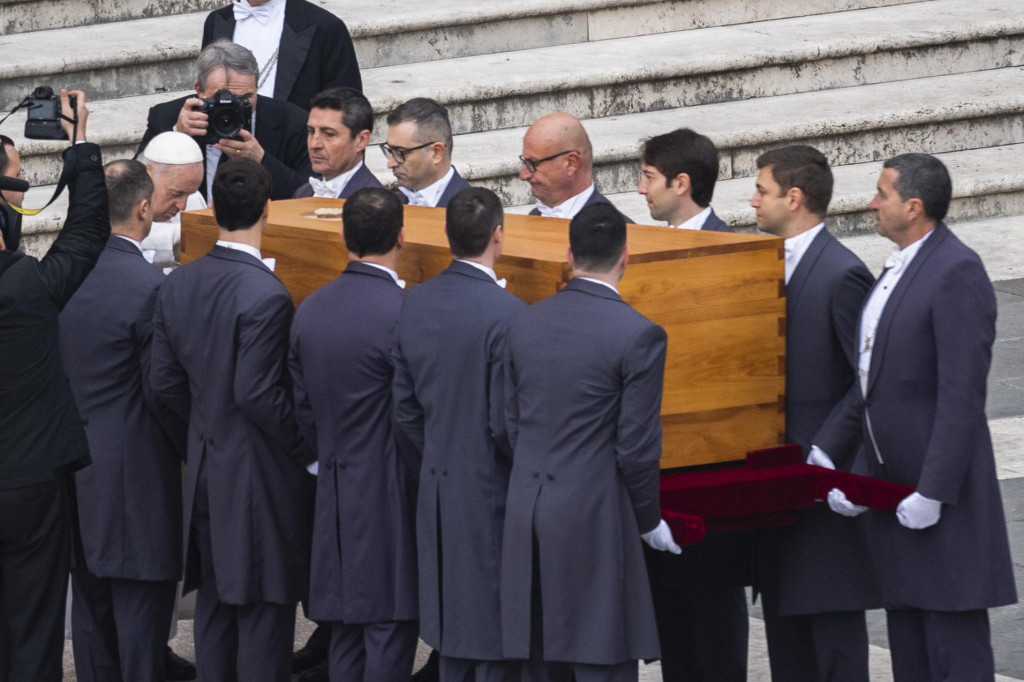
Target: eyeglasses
(400,152)
(531,164)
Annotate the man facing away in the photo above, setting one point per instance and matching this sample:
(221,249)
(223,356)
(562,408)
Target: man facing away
(449,399)
(363,579)
(129,498)
(419,153)
(558,163)
(339,128)
(219,343)
(584,381)
(924,347)
(814,631)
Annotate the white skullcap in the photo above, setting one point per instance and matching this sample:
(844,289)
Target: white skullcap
(174,149)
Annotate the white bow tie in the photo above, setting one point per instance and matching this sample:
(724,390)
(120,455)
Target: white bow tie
(417,199)
(325,188)
(895,260)
(547,211)
(244,11)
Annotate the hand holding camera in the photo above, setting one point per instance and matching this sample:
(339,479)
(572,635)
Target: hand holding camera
(72,108)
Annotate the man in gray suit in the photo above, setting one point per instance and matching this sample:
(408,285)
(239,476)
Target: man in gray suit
(814,631)
(363,579)
(129,499)
(220,335)
(584,380)
(924,348)
(449,399)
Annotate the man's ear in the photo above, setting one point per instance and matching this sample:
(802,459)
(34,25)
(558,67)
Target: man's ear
(143,210)
(682,184)
(362,140)
(401,238)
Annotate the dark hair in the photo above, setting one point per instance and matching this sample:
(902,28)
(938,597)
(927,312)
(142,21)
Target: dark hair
(685,151)
(241,188)
(806,169)
(922,176)
(4,159)
(431,120)
(597,236)
(372,219)
(356,112)
(128,183)
(470,220)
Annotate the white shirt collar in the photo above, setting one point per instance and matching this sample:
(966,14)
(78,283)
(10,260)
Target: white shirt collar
(601,282)
(796,247)
(899,259)
(148,254)
(335,186)
(394,275)
(431,194)
(138,245)
(696,222)
(568,208)
(251,250)
(483,268)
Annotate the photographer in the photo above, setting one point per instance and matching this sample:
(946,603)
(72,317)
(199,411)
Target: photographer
(41,436)
(275,137)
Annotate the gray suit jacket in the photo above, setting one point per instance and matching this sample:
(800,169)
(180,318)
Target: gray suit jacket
(449,399)
(926,404)
(129,499)
(584,381)
(220,335)
(364,544)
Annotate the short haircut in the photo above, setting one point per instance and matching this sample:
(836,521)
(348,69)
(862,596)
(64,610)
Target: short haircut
(356,112)
(805,168)
(924,177)
(470,220)
(685,151)
(5,160)
(241,188)
(224,54)
(372,219)
(431,120)
(128,183)
(597,237)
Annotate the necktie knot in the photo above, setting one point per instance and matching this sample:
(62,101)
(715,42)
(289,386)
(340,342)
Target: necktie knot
(324,188)
(895,260)
(243,11)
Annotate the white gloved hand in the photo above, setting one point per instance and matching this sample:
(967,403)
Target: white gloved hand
(917,511)
(838,503)
(819,458)
(661,539)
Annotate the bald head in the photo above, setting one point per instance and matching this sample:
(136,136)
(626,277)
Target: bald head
(557,158)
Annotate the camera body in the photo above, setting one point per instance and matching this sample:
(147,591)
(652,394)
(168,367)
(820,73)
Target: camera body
(228,114)
(43,121)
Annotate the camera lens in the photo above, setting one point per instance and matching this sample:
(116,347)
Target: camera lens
(225,122)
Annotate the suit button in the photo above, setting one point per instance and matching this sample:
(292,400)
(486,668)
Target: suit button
(551,477)
(536,474)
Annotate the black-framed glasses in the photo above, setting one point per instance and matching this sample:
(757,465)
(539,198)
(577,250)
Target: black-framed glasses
(400,152)
(531,164)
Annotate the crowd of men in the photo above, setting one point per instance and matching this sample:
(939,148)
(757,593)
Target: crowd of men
(448,463)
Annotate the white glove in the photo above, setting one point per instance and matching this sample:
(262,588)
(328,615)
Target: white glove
(838,503)
(314,468)
(661,539)
(819,458)
(917,511)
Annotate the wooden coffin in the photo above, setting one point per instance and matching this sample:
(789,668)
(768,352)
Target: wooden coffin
(719,296)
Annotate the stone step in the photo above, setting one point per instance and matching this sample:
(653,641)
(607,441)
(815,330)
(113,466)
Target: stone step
(593,79)
(987,183)
(849,125)
(22,16)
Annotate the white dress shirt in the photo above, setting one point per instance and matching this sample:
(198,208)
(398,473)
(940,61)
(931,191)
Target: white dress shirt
(148,254)
(483,268)
(895,265)
(331,189)
(259,29)
(694,223)
(568,208)
(394,275)
(601,282)
(431,194)
(270,263)
(797,246)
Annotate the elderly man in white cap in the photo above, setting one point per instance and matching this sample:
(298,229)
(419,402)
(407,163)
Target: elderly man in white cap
(175,163)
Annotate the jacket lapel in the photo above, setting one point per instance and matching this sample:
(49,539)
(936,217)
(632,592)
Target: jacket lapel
(803,269)
(296,39)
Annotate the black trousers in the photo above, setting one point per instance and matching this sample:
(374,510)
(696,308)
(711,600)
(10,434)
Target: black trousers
(119,627)
(373,651)
(469,670)
(935,646)
(822,647)
(236,643)
(35,555)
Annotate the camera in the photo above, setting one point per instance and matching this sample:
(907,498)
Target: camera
(43,121)
(228,114)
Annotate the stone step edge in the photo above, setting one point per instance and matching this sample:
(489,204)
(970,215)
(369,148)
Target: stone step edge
(795,51)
